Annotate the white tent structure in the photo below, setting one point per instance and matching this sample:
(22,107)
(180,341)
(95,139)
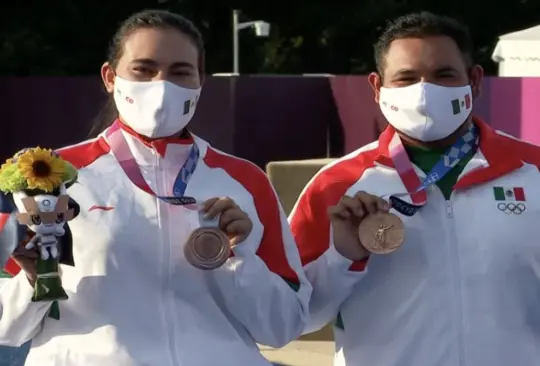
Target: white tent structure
(518,53)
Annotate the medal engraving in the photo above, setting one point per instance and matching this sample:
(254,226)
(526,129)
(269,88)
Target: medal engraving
(381,233)
(207,248)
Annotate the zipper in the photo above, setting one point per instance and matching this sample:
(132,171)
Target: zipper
(449,209)
(455,265)
(164,241)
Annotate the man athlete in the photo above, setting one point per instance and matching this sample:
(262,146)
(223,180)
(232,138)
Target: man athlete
(464,287)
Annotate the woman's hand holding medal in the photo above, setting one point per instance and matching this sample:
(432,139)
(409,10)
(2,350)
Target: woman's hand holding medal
(209,246)
(362,225)
(232,220)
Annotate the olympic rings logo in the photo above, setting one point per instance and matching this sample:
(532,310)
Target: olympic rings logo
(512,208)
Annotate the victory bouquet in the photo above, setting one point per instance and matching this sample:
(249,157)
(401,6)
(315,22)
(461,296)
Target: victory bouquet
(36,179)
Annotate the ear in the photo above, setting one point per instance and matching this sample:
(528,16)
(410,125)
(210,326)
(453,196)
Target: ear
(24,218)
(375,82)
(72,204)
(63,190)
(17,198)
(62,204)
(30,205)
(69,215)
(108,75)
(476,76)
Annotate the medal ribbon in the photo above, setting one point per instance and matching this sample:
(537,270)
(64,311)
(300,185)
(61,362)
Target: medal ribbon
(415,187)
(122,153)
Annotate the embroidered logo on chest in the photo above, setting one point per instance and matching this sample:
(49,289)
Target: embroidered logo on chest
(510,200)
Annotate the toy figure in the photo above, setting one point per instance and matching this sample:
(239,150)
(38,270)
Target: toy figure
(37,180)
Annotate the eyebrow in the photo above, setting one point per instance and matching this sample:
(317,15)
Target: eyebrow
(445,69)
(405,72)
(154,63)
(409,72)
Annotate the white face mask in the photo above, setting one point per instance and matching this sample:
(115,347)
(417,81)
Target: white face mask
(155,108)
(424,111)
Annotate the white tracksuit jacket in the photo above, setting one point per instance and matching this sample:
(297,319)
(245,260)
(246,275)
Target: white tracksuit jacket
(464,289)
(133,298)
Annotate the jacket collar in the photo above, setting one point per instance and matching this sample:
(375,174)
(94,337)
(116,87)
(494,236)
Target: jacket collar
(497,155)
(159,145)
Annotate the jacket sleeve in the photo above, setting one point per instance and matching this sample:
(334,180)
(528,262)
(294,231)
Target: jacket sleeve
(332,276)
(20,318)
(270,294)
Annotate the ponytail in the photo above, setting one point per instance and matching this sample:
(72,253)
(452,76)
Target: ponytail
(104,119)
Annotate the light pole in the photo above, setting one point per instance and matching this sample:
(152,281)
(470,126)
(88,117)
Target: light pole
(262,29)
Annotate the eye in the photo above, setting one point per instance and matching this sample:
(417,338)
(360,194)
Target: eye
(36,220)
(445,74)
(142,70)
(181,72)
(59,218)
(404,81)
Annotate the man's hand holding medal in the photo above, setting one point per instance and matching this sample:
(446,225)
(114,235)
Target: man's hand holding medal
(362,225)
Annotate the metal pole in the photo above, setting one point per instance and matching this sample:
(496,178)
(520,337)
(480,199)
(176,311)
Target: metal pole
(235,42)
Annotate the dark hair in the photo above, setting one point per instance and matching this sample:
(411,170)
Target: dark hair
(420,25)
(159,19)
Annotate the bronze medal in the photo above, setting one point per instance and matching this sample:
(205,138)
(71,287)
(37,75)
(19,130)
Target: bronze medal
(381,233)
(207,248)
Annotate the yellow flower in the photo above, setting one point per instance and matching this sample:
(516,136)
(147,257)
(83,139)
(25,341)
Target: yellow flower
(41,169)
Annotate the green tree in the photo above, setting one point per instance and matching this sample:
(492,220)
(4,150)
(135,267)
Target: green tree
(69,37)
